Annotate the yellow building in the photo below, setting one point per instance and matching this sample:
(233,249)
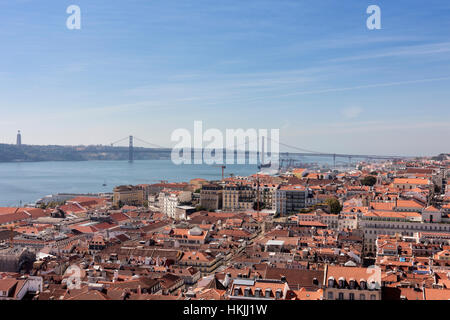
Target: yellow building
(408,184)
(238,198)
(128,195)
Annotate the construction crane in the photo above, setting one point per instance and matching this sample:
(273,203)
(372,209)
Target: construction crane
(11,235)
(223,168)
(257,196)
(11,228)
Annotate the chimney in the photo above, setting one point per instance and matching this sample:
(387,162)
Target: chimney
(227,280)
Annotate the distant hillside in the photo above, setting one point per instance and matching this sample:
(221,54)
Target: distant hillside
(27,153)
(442,156)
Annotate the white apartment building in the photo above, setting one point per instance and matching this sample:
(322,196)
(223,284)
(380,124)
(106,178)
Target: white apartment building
(331,220)
(267,195)
(374,223)
(348,221)
(291,199)
(169,200)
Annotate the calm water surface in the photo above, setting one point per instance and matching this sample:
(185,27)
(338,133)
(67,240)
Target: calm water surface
(29,181)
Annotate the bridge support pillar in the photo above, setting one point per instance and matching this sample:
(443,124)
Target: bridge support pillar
(130,150)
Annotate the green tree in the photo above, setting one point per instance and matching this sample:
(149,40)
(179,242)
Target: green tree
(200,208)
(334,206)
(368,181)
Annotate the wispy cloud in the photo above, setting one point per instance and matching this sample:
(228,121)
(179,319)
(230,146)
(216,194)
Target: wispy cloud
(351,112)
(413,50)
(368,127)
(375,85)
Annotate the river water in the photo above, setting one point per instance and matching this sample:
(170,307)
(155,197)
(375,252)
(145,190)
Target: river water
(26,182)
(29,181)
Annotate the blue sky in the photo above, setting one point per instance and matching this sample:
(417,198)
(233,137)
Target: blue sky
(310,68)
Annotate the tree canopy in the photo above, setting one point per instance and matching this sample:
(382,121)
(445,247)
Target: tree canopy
(333,205)
(368,181)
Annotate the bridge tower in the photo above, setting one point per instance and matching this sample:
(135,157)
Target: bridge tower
(130,150)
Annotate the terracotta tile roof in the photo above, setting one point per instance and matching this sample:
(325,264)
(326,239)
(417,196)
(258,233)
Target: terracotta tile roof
(437,294)
(392,214)
(411,181)
(88,295)
(411,294)
(196,256)
(13,217)
(409,204)
(384,206)
(348,273)
(303,294)
(431,209)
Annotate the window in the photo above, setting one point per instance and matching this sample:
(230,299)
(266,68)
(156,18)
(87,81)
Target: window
(362,296)
(330,296)
(373,297)
(341,296)
(331,283)
(352,296)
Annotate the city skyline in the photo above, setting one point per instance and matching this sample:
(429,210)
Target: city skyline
(313,71)
(284,148)
(180,153)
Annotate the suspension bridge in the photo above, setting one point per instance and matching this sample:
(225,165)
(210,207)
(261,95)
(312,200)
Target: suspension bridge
(286,157)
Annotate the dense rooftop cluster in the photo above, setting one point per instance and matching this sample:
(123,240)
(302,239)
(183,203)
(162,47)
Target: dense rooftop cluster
(379,231)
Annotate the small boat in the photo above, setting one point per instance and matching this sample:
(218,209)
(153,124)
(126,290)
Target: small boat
(104,184)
